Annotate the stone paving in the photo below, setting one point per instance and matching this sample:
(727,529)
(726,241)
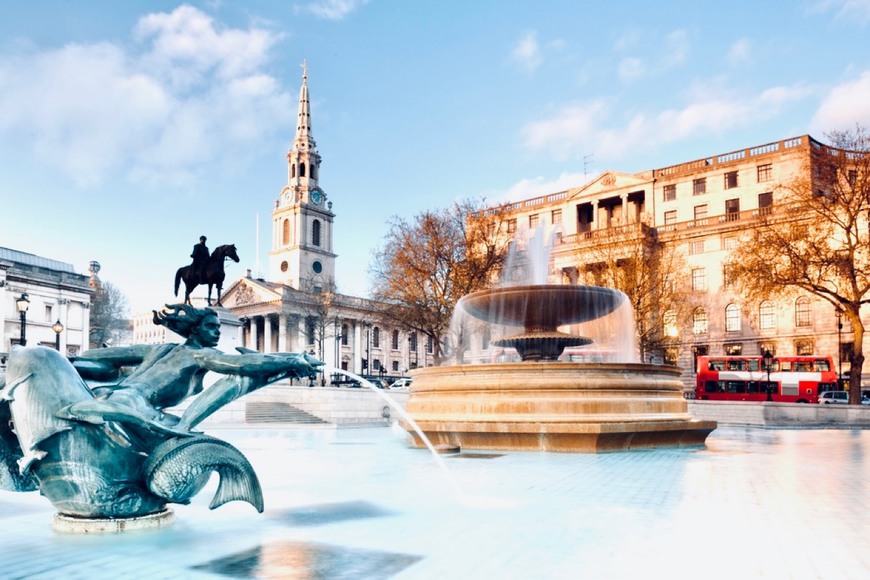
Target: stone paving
(360,503)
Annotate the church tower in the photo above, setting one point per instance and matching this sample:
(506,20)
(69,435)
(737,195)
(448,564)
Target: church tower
(302,255)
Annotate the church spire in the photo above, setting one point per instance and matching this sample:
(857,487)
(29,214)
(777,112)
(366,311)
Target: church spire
(303,121)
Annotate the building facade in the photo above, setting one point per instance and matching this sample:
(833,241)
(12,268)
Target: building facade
(298,308)
(699,208)
(58,303)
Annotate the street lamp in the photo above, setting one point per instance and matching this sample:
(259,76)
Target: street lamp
(57,327)
(23,303)
(311,379)
(767,361)
(839,349)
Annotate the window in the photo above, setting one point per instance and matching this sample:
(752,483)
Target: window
(672,356)
(699,321)
(729,242)
(395,341)
(731,180)
(734,349)
(732,318)
(376,337)
(765,172)
(696,247)
(699,186)
(670,193)
(285,232)
(48,313)
(511,226)
(556,216)
(802,312)
(700,212)
(395,366)
(732,210)
(315,232)
(764,347)
(766,316)
(533,221)
(430,345)
(344,333)
(699,279)
(669,321)
(765,202)
(671,217)
(301,170)
(412,341)
(803,347)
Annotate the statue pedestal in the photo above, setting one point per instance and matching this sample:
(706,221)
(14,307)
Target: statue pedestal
(64,524)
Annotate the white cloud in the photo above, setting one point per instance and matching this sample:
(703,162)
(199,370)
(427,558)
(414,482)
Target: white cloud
(90,109)
(527,54)
(631,69)
(740,52)
(844,106)
(529,188)
(333,9)
(582,128)
(674,51)
(848,10)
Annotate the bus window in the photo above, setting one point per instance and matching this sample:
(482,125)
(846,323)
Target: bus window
(822,365)
(736,365)
(753,387)
(711,386)
(716,365)
(784,366)
(754,365)
(735,387)
(803,366)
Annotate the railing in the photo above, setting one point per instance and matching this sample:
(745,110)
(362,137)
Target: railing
(725,158)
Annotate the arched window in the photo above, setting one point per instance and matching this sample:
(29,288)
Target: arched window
(315,232)
(732,318)
(395,341)
(699,321)
(766,315)
(285,232)
(301,170)
(802,312)
(376,337)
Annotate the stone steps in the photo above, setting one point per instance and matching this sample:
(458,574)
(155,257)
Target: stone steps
(276,412)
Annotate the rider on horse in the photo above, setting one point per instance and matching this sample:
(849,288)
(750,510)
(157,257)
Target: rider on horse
(200,257)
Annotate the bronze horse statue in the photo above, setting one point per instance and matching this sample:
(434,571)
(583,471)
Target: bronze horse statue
(214,273)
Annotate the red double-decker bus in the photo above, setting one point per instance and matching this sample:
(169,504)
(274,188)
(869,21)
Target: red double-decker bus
(793,379)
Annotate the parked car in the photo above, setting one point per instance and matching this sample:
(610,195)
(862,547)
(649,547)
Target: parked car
(829,397)
(401,385)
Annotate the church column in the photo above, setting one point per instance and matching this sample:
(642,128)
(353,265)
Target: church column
(282,333)
(624,198)
(267,333)
(594,225)
(358,352)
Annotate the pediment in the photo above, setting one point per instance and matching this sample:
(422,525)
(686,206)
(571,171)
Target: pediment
(609,181)
(245,291)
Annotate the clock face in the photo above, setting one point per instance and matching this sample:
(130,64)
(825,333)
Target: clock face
(316,196)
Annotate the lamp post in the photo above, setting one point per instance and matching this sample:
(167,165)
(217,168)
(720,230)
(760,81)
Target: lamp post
(839,349)
(23,303)
(311,379)
(57,327)
(767,360)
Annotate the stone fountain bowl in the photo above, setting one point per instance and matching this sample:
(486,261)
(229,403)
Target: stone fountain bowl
(541,307)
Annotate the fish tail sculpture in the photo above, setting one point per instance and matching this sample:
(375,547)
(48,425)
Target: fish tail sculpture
(179,468)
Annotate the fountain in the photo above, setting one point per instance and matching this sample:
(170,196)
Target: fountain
(541,403)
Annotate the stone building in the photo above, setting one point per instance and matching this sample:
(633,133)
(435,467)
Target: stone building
(58,302)
(298,308)
(701,207)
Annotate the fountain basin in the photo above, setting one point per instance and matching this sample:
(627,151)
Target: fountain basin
(553,406)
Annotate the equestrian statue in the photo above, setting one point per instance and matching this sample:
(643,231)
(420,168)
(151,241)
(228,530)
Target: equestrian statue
(204,270)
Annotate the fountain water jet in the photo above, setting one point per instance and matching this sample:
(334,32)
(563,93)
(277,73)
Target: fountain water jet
(541,404)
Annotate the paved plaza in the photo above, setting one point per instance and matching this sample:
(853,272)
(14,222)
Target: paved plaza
(360,503)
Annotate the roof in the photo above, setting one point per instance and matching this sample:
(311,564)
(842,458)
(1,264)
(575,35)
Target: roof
(34,260)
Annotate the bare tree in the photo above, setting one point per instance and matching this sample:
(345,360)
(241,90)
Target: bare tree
(428,263)
(652,275)
(108,314)
(818,242)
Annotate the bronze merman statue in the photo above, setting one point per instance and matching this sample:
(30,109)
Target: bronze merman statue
(112,450)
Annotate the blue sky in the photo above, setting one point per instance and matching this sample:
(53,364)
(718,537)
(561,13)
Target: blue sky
(127,129)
